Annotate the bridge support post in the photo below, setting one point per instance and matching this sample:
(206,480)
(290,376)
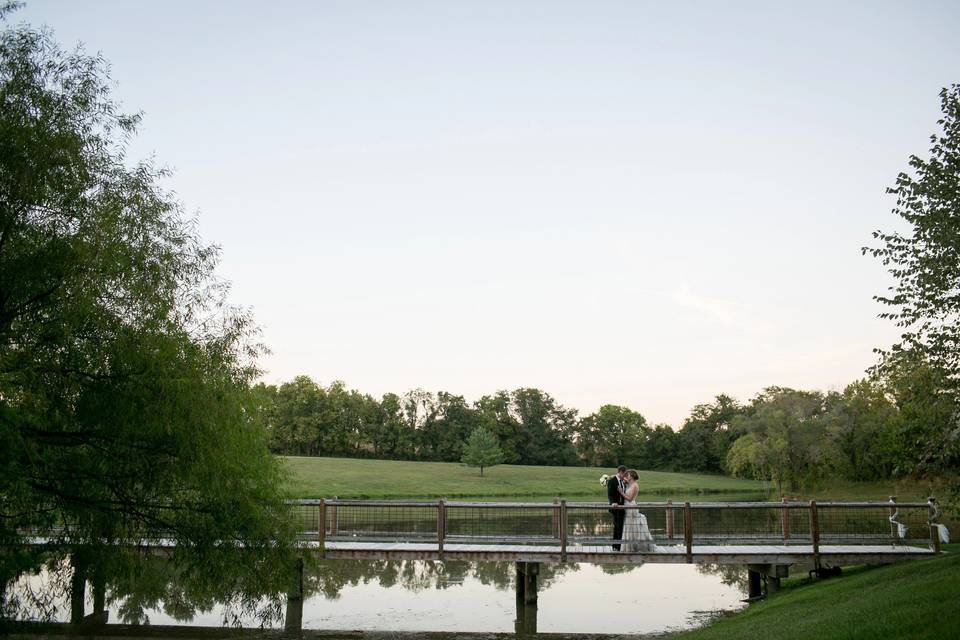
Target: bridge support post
(526,622)
(770,572)
(527,573)
(753,584)
(293,618)
(773,584)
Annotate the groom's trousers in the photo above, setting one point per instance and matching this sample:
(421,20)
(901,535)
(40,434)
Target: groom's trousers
(619,515)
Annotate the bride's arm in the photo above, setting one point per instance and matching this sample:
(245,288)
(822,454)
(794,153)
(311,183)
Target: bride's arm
(632,492)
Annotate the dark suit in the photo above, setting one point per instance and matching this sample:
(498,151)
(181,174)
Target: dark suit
(615,497)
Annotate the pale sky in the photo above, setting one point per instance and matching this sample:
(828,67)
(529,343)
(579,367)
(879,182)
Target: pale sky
(635,203)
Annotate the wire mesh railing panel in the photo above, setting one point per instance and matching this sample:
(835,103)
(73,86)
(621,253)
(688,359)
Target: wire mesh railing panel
(873,524)
(594,524)
(506,523)
(662,520)
(381,521)
(306,517)
(750,523)
(589,524)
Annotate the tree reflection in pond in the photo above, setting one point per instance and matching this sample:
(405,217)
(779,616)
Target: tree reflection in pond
(331,577)
(733,575)
(135,584)
(377,595)
(131,584)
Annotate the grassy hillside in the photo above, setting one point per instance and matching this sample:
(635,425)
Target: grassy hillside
(916,599)
(350,478)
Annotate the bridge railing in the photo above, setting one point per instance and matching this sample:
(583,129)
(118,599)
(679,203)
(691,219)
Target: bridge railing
(569,524)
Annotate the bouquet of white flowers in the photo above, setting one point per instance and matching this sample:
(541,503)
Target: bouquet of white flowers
(603,479)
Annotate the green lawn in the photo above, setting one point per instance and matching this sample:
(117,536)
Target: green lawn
(906,490)
(354,478)
(361,478)
(914,599)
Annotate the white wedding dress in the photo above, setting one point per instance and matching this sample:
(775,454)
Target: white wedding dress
(636,534)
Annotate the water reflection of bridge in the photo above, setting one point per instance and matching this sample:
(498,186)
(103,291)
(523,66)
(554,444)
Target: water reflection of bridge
(767,537)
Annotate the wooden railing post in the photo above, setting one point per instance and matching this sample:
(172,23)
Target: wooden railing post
(441,524)
(321,525)
(563,530)
(333,518)
(556,517)
(932,520)
(784,518)
(688,530)
(669,519)
(894,529)
(815,532)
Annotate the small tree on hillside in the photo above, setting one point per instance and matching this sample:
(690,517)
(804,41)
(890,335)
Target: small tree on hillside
(482,450)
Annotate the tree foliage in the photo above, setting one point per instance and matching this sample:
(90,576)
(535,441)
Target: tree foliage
(707,434)
(784,438)
(925,261)
(124,373)
(925,298)
(482,450)
(613,436)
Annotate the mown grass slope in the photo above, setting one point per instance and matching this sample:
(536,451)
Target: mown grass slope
(357,478)
(914,599)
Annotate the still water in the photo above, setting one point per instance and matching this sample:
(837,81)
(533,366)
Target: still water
(456,596)
(578,599)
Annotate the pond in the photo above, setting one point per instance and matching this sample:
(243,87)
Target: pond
(416,596)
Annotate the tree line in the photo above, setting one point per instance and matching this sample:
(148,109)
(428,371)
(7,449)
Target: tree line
(881,426)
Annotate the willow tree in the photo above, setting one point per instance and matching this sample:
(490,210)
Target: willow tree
(123,369)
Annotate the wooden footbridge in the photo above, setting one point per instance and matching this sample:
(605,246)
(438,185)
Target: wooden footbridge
(561,531)
(767,537)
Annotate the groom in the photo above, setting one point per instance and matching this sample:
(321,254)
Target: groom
(614,486)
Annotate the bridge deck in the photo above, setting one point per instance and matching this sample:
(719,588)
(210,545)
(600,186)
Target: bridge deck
(714,554)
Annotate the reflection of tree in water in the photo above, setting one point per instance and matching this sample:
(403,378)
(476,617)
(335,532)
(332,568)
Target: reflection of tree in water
(38,598)
(331,577)
(134,583)
(733,575)
(614,569)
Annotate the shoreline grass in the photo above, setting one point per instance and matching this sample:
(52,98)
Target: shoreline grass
(911,599)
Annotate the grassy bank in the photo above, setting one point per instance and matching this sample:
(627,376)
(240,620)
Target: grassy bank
(361,478)
(915,599)
(351,478)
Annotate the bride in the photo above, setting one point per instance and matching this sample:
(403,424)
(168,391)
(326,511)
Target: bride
(636,533)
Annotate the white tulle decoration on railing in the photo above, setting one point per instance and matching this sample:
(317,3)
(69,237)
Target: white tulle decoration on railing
(943,532)
(901,528)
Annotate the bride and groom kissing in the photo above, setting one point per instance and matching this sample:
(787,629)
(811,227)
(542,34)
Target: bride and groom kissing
(629,525)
